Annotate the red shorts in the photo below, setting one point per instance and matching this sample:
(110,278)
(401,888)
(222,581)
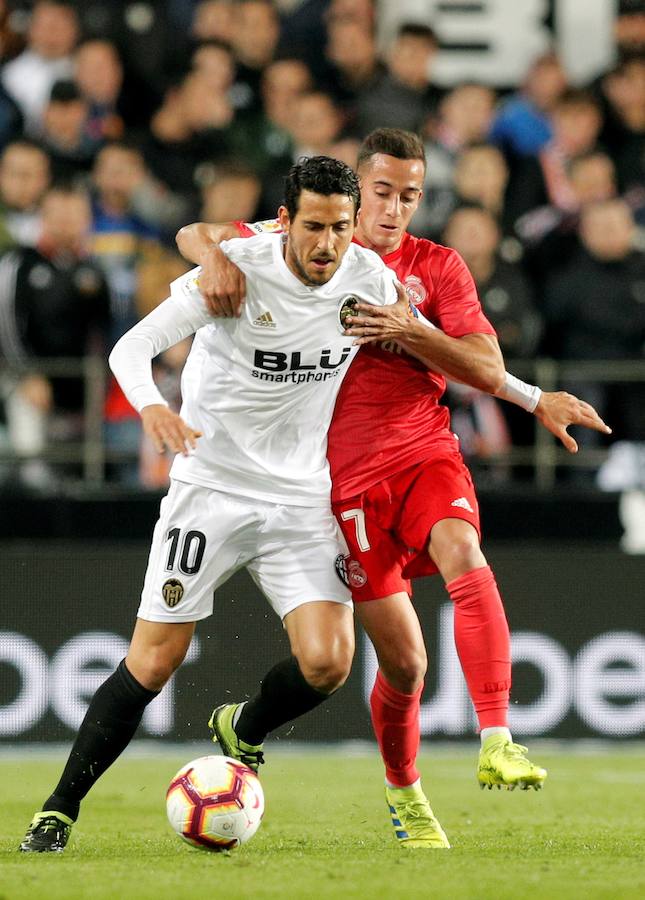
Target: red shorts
(387,528)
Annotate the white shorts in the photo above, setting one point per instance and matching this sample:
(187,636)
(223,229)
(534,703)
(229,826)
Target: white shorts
(204,536)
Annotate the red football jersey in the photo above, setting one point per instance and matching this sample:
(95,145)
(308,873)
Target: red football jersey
(387,415)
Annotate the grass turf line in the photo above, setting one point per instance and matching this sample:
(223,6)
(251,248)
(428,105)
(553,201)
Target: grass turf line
(326,834)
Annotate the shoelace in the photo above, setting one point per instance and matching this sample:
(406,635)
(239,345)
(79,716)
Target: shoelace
(49,823)
(516,749)
(252,759)
(417,809)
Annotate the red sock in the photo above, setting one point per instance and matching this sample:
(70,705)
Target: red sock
(483,644)
(395,718)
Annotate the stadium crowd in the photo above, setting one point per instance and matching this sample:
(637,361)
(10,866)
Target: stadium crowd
(120,122)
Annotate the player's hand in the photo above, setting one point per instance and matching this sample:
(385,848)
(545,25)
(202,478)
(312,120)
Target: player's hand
(381,323)
(557,410)
(167,430)
(221,284)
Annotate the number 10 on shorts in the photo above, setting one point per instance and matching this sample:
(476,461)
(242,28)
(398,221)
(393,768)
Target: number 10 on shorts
(193,545)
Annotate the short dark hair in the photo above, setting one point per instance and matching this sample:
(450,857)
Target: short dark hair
(321,175)
(577,97)
(418,30)
(392,142)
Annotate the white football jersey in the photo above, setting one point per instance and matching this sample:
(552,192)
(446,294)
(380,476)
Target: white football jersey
(260,388)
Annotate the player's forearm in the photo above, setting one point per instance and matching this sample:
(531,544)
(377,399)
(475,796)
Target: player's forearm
(474,359)
(132,355)
(131,363)
(197,239)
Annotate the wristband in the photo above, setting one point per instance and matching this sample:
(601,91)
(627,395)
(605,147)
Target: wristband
(520,393)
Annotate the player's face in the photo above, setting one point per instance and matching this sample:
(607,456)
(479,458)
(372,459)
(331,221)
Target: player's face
(318,235)
(391,190)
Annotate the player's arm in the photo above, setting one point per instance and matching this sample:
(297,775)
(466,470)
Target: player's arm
(556,410)
(131,361)
(473,359)
(221,283)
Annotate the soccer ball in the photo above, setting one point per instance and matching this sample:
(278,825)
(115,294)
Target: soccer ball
(215,803)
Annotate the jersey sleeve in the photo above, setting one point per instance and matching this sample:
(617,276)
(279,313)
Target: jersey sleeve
(179,316)
(248,229)
(454,305)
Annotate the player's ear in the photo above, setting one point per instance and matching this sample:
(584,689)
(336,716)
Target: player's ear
(283,218)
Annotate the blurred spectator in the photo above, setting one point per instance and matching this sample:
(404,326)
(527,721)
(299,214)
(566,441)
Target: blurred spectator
(53,31)
(363,11)
(463,118)
(629,27)
(283,82)
(404,95)
(189,129)
(214,61)
(24,178)
(55,304)
(504,292)
(255,36)
(548,234)
(214,20)
(233,194)
(98,74)
(577,120)
(70,149)
(121,241)
(481,176)
(354,62)
(506,296)
(11,42)
(316,123)
(624,133)
(595,309)
(523,126)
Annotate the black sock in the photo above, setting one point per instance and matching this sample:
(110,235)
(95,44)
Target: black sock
(110,722)
(284,695)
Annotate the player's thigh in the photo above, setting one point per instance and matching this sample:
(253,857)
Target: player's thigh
(201,538)
(373,567)
(297,558)
(435,491)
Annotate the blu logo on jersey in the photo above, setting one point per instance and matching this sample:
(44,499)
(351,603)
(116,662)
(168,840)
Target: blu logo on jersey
(271,361)
(271,365)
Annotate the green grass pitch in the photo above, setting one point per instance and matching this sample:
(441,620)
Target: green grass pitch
(326,834)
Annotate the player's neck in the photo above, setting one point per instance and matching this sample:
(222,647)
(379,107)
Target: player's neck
(365,241)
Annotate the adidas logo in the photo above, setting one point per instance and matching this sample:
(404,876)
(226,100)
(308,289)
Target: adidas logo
(463,503)
(265,321)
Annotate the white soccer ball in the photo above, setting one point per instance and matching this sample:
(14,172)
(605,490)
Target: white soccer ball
(215,803)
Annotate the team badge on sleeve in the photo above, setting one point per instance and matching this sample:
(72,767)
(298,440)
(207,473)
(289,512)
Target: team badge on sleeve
(350,571)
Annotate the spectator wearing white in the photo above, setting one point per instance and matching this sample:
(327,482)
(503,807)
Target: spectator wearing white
(28,79)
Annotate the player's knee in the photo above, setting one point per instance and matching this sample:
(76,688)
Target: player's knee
(326,669)
(459,556)
(407,672)
(157,666)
